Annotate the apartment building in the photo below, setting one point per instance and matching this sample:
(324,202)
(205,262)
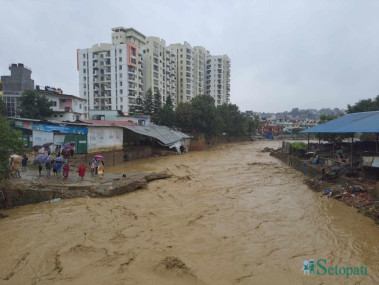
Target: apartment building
(184,71)
(200,58)
(218,78)
(111,75)
(159,68)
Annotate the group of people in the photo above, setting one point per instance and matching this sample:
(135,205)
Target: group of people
(57,168)
(97,167)
(62,169)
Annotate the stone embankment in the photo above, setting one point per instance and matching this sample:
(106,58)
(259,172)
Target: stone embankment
(20,192)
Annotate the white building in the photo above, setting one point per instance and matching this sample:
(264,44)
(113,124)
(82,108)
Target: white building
(201,55)
(184,71)
(218,78)
(110,75)
(159,68)
(66,107)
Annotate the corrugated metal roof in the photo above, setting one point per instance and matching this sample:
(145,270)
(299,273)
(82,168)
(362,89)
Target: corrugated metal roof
(364,122)
(164,134)
(102,123)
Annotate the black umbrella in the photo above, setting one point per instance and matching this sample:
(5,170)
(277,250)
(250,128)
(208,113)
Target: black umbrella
(47,144)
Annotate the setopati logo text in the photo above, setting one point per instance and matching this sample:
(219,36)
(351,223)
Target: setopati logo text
(320,268)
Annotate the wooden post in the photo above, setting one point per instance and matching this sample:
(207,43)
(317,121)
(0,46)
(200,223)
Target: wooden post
(351,157)
(334,141)
(308,142)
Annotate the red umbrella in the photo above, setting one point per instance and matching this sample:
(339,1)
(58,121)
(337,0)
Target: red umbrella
(98,157)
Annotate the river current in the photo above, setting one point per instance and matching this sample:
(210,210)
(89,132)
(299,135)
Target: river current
(229,215)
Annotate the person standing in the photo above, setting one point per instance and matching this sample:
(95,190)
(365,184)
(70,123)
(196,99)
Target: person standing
(72,148)
(100,170)
(92,164)
(96,166)
(58,151)
(24,162)
(82,171)
(66,170)
(48,169)
(54,166)
(17,169)
(40,168)
(59,169)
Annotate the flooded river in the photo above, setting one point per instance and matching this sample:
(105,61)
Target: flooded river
(231,215)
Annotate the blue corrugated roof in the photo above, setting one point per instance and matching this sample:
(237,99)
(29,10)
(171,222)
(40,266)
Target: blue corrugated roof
(364,122)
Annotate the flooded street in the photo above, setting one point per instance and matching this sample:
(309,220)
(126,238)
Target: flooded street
(231,215)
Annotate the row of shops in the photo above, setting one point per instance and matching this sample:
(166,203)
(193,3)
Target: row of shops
(90,136)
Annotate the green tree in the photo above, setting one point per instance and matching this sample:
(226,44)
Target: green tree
(10,142)
(138,108)
(148,103)
(364,105)
(157,102)
(34,106)
(169,101)
(205,118)
(166,115)
(183,114)
(233,121)
(3,108)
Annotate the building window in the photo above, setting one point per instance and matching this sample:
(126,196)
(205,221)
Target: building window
(120,91)
(120,83)
(54,103)
(55,116)
(120,51)
(120,59)
(120,75)
(120,99)
(120,107)
(80,106)
(84,56)
(120,67)
(61,116)
(84,63)
(85,85)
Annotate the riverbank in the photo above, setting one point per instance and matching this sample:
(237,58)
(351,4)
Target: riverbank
(358,193)
(32,188)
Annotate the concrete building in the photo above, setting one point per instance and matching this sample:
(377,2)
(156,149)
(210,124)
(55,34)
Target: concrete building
(200,59)
(159,68)
(66,107)
(111,75)
(218,78)
(19,80)
(184,71)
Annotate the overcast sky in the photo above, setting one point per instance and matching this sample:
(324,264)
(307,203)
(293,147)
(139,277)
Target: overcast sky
(284,54)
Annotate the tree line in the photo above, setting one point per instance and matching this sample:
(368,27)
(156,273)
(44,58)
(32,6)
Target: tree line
(200,115)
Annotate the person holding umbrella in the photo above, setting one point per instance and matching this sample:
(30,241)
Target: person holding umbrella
(48,168)
(58,166)
(24,162)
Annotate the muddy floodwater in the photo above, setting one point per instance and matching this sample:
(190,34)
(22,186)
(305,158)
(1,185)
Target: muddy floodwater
(230,215)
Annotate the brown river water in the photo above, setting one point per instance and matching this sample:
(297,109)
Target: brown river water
(230,215)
